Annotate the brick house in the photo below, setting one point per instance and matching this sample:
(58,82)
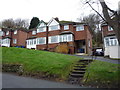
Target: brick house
(111,47)
(13,37)
(76,36)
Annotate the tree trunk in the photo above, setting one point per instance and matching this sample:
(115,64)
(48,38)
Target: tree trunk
(113,22)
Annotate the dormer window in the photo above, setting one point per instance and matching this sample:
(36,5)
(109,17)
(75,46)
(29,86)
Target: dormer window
(7,33)
(33,32)
(66,27)
(41,29)
(110,28)
(15,32)
(80,28)
(55,27)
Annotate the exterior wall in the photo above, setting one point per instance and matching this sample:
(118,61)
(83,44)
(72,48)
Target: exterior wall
(106,31)
(112,51)
(21,37)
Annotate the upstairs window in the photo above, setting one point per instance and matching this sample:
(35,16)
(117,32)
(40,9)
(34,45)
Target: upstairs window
(66,27)
(110,28)
(80,28)
(7,33)
(55,27)
(15,32)
(41,29)
(1,33)
(14,41)
(33,32)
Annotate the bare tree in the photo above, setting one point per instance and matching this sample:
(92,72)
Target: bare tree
(8,23)
(113,21)
(18,23)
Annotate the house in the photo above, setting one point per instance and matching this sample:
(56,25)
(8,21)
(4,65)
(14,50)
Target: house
(111,46)
(6,36)
(13,37)
(49,36)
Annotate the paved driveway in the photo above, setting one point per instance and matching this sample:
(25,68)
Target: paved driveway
(100,58)
(13,81)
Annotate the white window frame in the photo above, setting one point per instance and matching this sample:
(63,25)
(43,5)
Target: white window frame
(14,41)
(15,32)
(80,28)
(7,33)
(41,38)
(51,29)
(34,32)
(110,28)
(51,37)
(66,27)
(41,29)
(66,38)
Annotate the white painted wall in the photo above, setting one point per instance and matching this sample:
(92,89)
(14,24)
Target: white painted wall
(112,51)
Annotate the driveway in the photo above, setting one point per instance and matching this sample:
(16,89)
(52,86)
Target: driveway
(13,81)
(100,58)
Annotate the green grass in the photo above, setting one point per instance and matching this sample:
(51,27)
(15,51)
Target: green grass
(39,61)
(103,73)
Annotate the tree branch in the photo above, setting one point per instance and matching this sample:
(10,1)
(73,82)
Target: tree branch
(96,11)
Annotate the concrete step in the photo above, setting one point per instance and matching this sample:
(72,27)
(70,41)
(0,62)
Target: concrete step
(80,66)
(76,75)
(78,72)
(79,69)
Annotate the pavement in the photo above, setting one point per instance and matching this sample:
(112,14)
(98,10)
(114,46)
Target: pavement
(14,81)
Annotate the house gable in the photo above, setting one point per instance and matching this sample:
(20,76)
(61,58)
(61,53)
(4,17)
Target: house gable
(52,22)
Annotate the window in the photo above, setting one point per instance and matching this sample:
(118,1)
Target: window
(80,28)
(66,38)
(110,28)
(14,41)
(66,27)
(41,29)
(7,33)
(54,39)
(113,41)
(33,32)
(1,33)
(106,41)
(41,40)
(55,27)
(15,32)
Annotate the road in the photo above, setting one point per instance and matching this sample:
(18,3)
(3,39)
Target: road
(13,81)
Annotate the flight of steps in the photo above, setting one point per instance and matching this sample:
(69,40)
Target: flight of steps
(78,71)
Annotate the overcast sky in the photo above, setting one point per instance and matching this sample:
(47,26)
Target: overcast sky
(46,9)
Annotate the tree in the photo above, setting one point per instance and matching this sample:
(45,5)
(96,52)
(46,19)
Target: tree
(8,23)
(93,21)
(34,22)
(113,21)
(18,23)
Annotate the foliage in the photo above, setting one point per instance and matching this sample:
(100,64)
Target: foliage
(34,61)
(34,22)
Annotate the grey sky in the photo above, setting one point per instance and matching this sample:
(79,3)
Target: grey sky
(46,9)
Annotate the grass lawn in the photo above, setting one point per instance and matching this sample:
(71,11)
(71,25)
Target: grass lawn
(35,61)
(103,74)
